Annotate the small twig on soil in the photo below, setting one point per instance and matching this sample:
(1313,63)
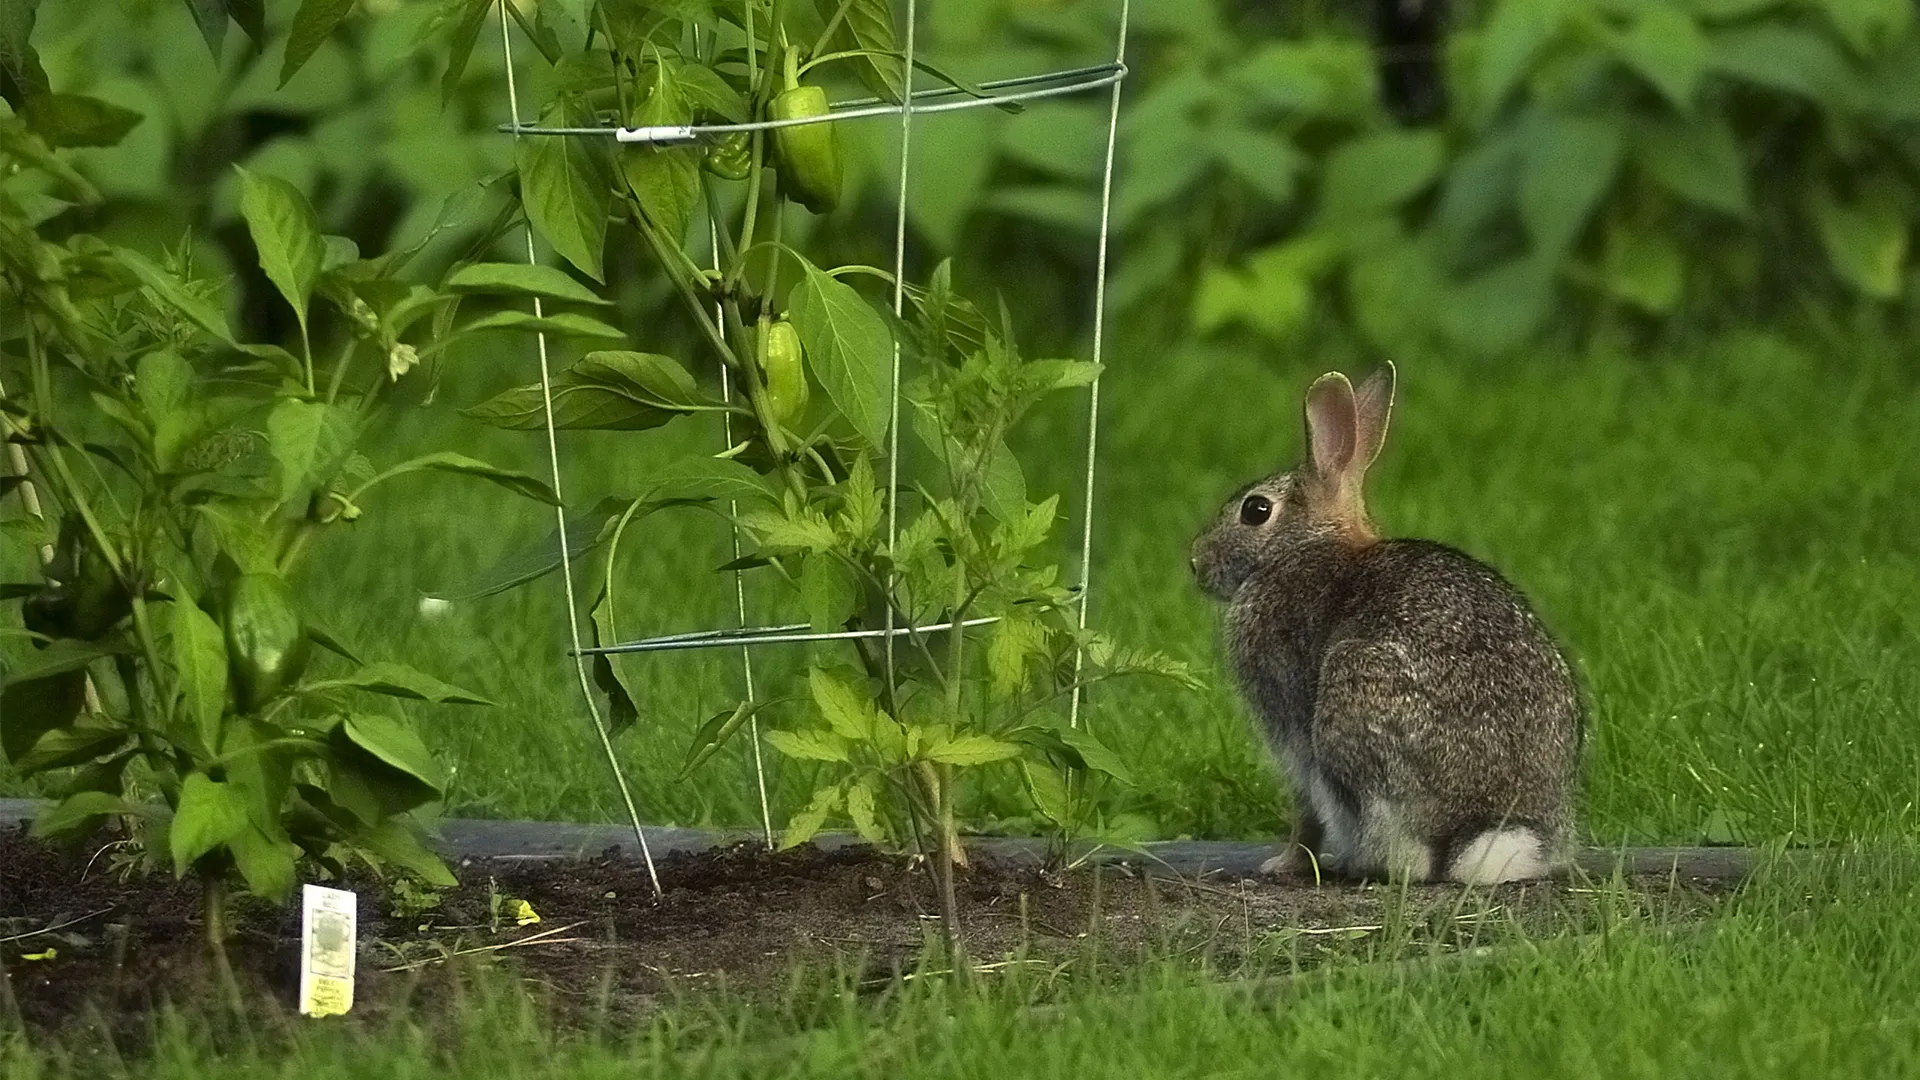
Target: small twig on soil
(544,937)
(56,926)
(977,969)
(88,869)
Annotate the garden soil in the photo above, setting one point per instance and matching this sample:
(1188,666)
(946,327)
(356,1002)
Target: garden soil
(89,945)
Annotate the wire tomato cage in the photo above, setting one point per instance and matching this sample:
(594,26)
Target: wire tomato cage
(930,101)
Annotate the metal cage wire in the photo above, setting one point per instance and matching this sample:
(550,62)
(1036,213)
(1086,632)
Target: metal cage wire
(932,100)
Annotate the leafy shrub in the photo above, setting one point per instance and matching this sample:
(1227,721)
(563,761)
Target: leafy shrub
(175,476)
(808,478)
(1629,156)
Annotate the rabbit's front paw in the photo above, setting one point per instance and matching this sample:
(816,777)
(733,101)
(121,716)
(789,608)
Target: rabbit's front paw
(1296,861)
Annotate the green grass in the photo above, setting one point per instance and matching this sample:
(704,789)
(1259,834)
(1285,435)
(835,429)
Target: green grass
(1808,974)
(1723,538)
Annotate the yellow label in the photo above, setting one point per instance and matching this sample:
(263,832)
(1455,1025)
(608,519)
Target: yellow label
(328,996)
(523,913)
(328,942)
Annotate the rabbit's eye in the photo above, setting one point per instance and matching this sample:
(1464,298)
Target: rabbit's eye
(1256,510)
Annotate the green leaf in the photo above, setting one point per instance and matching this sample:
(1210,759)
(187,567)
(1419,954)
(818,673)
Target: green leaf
(648,377)
(1699,161)
(720,479)
(1095,754)
(513,480)
(808,532)
(562,323)
(398,680)
(286,233)
(714,734)
(521,279)
(460,42)
(1379,172)
(827,593)
(1870,26)
(809,745)
(200,665)
(1668,49)
(163,381)
(862,807)
(703,88)
(252,17)
(970,750)
(171,292)
(565,186)
(1003,484)
(1781,57)
(394,744)
(665,180)
(268,864)
(1644,268)
(532,562)
(1568,163)
(847,708)
(1518,32)
(313,23)
(211,18)
(46,693)
(66,747)
(575,408)
(331,642)
(849,347)
(868,25)
(1501,309)
(1048,792)
(77,120)
(210,813)
(74,813)
(864,505)
(1865,239)
(18,59)
(806,824)
(1013,644)
(1266,162)
(309,440)
(396,843)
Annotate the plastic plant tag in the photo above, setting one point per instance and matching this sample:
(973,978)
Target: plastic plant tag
(328,933)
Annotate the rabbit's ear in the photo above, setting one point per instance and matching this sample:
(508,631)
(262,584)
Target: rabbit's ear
(1373,405)
(1333,424)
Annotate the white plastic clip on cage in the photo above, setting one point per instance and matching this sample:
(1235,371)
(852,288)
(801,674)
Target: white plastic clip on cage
(917,102)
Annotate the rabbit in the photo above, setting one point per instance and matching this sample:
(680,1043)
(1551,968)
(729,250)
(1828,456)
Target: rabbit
(1429,725)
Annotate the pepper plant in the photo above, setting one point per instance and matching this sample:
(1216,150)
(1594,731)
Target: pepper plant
(173,478)
(958,539)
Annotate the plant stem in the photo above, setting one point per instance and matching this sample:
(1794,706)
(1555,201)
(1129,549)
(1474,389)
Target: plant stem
(826,33)
(672,262)
(306,355)
(213,893)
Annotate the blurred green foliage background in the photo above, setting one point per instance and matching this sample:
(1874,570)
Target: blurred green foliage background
(1599,166)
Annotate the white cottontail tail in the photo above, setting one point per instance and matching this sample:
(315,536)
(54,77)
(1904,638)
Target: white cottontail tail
(1429,724)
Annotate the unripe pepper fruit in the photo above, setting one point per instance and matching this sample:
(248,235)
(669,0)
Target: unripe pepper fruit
(786,372)
(731,157)
(267,643)
(807,156)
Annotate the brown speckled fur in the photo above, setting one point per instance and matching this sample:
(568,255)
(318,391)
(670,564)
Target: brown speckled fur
(1409,690)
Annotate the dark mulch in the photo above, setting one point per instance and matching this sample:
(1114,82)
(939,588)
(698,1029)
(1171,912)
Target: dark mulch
(739,918)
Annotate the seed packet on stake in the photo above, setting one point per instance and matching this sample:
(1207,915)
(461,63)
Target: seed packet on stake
(328,932)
